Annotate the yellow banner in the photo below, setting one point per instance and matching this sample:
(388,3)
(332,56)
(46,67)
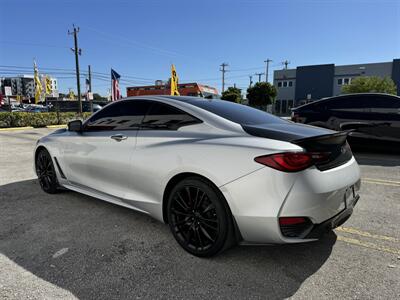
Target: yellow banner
(38,84)
(174,82)
(48,86)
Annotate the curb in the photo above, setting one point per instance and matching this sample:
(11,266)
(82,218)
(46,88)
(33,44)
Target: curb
(16,128)
(57,126)
(30,127)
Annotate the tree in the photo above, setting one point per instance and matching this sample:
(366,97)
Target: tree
(232,94)
(261,94)
(62,96)
(98,97)
(371,84)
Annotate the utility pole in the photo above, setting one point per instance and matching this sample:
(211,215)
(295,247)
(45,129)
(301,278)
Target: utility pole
(223,65)
(286,62)
(259,76)
(90,89)
(266,68)
(77,52)
(90,78)
(251,80)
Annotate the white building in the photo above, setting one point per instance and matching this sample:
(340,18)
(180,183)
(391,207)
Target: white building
(24,85)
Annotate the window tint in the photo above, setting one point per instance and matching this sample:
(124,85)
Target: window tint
(237,113)
(123,115)
(385,102)
(279,83)
(166,117)
(355,102)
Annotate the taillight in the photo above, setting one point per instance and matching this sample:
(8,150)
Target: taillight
(292,161)
(292,220)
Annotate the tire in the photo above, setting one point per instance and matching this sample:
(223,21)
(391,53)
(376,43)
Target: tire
(199,217)
(46,173)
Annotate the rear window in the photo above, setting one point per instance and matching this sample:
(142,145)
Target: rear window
(237,113)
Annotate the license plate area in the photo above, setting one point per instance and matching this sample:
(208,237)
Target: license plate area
(350,198)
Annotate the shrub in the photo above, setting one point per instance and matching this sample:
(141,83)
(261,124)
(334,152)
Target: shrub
(22,119)
(371,84)
(261,94)
(232,94)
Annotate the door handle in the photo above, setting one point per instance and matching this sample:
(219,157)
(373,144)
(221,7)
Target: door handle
(119,137)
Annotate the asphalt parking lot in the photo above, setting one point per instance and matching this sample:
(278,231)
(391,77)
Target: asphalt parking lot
(69,246)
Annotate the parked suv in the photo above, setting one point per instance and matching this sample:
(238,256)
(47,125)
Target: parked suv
(369,115)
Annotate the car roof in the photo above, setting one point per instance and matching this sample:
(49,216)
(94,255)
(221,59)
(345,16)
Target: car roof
(344,96)
(168,97)
(360,94)
(188,100)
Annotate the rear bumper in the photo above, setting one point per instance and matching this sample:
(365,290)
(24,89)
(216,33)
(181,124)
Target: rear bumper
(319,230)
(260,198)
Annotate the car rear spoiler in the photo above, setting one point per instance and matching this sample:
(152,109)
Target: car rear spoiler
(321,142)
(333,145)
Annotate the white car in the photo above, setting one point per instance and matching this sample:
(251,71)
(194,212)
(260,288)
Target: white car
(217,172)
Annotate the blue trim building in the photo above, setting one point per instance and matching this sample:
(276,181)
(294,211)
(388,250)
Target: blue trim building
(310,83)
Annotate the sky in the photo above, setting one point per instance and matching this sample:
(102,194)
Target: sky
(141,39)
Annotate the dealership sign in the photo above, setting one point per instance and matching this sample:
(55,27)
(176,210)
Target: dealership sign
(7,91)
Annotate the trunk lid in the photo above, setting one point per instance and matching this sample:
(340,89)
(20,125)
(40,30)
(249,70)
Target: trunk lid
(312,139)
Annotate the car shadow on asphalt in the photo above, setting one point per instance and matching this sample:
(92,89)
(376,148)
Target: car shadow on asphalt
(99,250)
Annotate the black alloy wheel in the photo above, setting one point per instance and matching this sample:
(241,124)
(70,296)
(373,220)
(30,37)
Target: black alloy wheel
(198,217)
(46,172)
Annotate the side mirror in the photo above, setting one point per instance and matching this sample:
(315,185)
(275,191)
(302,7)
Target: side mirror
(75,125)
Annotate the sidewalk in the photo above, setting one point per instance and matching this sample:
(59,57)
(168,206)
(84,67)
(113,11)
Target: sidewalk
(30,127)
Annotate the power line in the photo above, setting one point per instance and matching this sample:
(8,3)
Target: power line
(33,44)
(107,75)
(19,67)
(131,42)
(62,73)
(246,69)
(68,71)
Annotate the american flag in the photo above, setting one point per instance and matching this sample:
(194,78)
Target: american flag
(115,93)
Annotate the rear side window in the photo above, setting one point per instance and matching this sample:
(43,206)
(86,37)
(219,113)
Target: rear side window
(385,105)
(123,115)
(353,103)
(385,102)
(238,113)
(166,117)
